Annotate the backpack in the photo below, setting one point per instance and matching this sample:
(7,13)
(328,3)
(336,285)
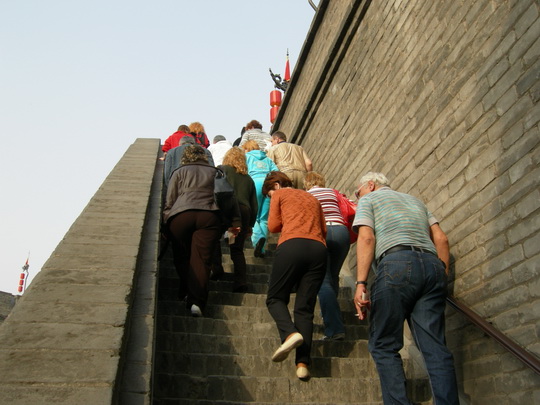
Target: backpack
(201,139)
(348,211)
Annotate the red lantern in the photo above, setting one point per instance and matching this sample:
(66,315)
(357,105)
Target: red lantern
(21,283)
(275,98)
(273,113)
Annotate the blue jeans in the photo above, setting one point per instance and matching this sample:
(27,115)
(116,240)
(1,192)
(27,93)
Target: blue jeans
(337,244)
(411,286)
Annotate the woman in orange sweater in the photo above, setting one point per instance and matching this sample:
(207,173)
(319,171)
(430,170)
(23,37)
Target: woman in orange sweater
(300,261)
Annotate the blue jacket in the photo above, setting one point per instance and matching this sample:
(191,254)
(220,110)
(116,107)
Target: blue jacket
(259,165)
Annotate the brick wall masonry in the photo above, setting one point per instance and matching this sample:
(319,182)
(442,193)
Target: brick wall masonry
(7,301)
(442,96)
(64,341)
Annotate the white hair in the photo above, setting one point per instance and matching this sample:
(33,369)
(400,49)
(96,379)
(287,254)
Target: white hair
(378,178)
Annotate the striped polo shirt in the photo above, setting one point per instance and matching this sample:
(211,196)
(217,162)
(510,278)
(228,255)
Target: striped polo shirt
(327,198)
(396,219)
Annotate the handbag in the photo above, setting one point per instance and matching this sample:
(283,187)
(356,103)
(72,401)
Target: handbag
(348,211)
(225,199)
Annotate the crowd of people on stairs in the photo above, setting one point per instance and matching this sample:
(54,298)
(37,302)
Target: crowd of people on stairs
(401,249)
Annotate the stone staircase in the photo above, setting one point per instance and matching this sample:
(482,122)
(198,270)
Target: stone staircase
(224,357)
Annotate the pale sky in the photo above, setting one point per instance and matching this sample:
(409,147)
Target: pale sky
(81,80)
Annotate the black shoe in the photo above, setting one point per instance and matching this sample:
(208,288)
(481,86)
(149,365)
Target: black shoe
(240,289)
(336,337)
(258,248)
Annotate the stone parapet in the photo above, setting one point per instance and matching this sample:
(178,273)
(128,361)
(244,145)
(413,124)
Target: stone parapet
(7,302)
(65,340)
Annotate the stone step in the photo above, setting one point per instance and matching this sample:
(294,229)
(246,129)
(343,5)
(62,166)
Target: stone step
(344,293)
(188,389)
(227,327)
(252,315)
(188,342)
(258,300)
(257,284)
(238,328)
(261,366)
(218,308)
(254,266)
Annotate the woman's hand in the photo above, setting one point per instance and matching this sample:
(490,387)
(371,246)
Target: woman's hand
(235,230)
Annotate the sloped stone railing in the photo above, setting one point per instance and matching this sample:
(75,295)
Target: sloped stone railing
(65,340)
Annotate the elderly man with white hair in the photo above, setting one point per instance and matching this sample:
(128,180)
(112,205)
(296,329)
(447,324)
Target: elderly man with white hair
(410,254)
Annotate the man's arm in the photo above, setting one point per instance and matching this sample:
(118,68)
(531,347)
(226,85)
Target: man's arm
(307,162)
(440,240)
(365,253)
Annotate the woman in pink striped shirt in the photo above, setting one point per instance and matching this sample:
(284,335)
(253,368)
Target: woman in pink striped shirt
(337,242)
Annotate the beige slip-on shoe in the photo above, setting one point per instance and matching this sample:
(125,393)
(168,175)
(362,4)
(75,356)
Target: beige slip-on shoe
(292,342)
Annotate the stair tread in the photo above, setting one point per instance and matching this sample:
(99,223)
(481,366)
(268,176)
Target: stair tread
(283,389)
(188,342)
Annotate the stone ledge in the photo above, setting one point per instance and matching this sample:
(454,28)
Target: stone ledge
(63,342)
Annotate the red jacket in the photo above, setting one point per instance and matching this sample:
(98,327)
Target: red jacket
(174,140)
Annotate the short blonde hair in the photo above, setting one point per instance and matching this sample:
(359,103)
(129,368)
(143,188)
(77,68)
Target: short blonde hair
(250,145)
(235,158)
(314,179)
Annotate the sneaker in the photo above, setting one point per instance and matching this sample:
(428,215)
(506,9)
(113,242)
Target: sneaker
(292,342)
(302,371)
(196,311)
(258,248)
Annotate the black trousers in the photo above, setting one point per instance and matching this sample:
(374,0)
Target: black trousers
(299,263)
(195,234)
(237,252)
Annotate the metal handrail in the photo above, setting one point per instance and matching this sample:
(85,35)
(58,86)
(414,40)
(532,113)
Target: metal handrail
(519,352)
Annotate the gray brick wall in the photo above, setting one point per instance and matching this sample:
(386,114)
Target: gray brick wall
(7,302)
(442,97)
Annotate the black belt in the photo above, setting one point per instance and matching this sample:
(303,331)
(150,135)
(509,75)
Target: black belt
(399,248)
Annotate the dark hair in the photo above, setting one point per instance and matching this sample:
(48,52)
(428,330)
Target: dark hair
(280,135)
(253,124)
(183,128)
(275,177)
(187,139)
